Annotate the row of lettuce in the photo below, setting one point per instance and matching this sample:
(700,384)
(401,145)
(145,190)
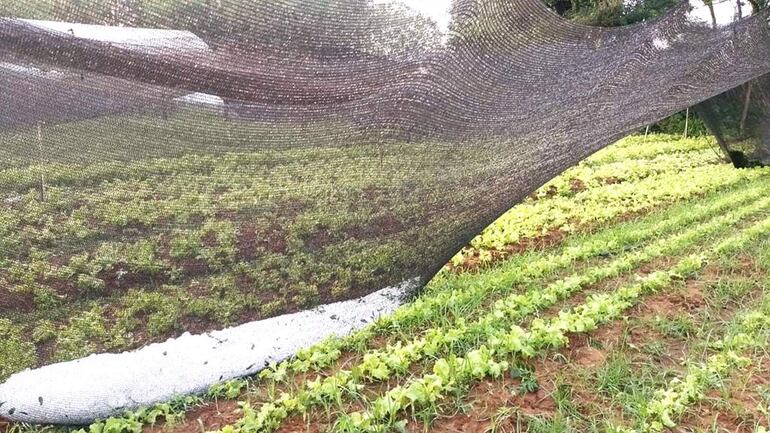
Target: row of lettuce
(123,254)
(467,327)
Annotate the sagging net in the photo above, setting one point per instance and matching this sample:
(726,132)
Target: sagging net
(740,121)
(184,165)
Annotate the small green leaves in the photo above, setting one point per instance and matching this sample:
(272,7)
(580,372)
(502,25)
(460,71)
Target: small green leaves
(230,389)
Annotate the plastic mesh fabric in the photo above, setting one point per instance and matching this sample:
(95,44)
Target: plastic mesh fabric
(264,157)
(740,120)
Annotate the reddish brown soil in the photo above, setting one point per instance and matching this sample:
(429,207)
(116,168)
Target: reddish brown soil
(118,279)
(246,241)
(552,238)
(585,352)
(213,416)
(299,424)
(486,397)
(209,417)
(737,410)
(588,357)
(381,225)
(272,238)
(16,302)
(577,185)
(319,239)
(209,239)
(45,352)
(656,265)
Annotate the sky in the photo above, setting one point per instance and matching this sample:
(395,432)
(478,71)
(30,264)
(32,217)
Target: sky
(724,10)
(438,10)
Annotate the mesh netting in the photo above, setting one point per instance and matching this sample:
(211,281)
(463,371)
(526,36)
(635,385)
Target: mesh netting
(740,120)
(171,166)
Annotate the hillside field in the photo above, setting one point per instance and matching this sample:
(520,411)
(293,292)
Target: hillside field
(630,294)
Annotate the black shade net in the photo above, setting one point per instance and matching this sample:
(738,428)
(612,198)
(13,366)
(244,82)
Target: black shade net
(247,159)
(740,120)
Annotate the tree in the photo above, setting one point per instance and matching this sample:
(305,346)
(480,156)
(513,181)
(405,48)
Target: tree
(478,22)
(610,13)
(323,28)
(103,12)
(397,29)
(483,21)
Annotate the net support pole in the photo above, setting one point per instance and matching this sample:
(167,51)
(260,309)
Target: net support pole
(746,105)
(686,121)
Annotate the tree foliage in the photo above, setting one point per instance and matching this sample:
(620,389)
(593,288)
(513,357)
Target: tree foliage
(318,28)
(610,13)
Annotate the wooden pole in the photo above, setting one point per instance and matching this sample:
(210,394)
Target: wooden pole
(686,121)
(710,4)
(42,162)
(746,105)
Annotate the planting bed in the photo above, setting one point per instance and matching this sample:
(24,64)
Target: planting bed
(629,294)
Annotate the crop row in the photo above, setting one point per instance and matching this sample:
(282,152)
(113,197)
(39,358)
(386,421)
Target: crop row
(61,168)
(112,234)
(534,219)
(495,282)
(262,230)
(455,295)
(395,360)
(133,199)
(491,359)
(172,302)
(587,176)
(184,133)
(667,404)
(639,147)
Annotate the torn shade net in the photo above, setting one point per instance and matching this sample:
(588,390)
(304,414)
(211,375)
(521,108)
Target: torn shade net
(740,120)
(187,165)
